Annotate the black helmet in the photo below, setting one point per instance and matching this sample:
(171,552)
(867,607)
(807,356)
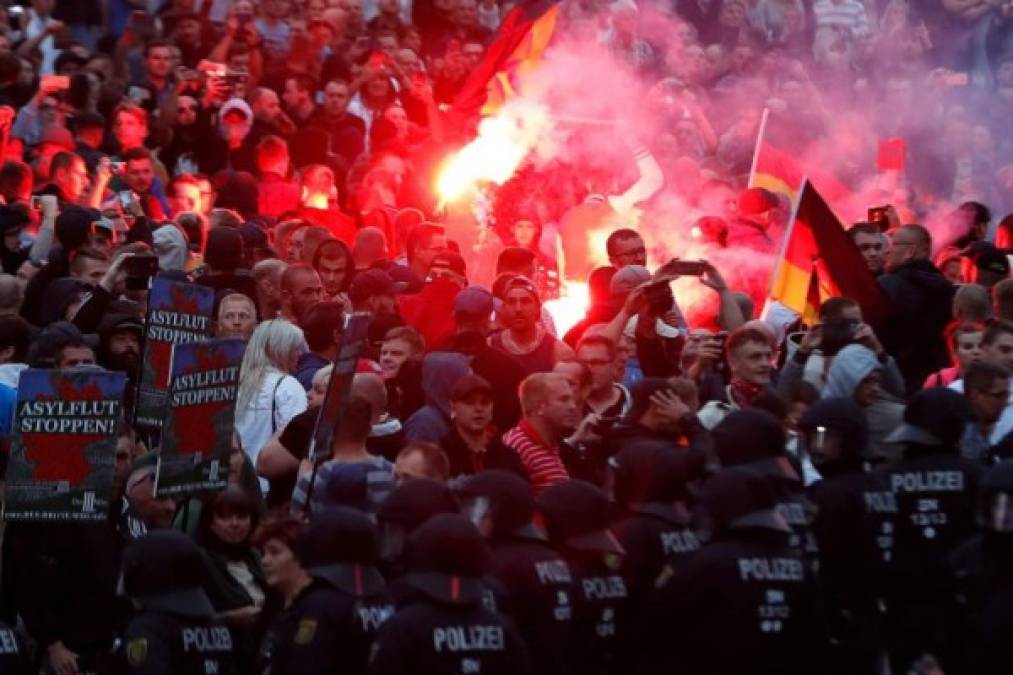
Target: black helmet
(576,514)
(739,497)
(753,437)
(164,571)
(507,499)
(340,546)
(447,558)
(934,417)
(407,507)
(645,473)
(995,498)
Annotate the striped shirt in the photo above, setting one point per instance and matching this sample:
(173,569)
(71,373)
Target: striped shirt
(378,474)
(541,461)
(846,16)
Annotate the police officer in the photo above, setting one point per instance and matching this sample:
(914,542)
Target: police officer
(174,630)
(15,659)
(754,438)
(982,571)
(936,492)
(538,582)
(576,516)
(444,627)
(745,603)
(332,622)
(854,517)
(407,507)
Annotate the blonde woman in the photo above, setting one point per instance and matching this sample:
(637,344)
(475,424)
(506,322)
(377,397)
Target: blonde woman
(268,394)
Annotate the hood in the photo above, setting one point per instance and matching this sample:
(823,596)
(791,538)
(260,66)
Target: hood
(171,248)
(440,372)
(852,364)
(235,104)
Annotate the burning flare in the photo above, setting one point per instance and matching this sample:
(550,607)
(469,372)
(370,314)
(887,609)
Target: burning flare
(503,142)
(570,307)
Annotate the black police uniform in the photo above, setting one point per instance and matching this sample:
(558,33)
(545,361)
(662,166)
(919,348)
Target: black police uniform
(576,516)
(745,603)
(407,507)
(754,438)
(981,627)
(174,632)
(332,622)
(444,628)
(853,527)
(936,493)
(538,583)
(15,659)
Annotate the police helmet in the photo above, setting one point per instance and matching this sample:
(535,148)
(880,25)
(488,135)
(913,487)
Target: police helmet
(577,515)
(407,507)
(340,546)
(447,558)
(164,571)
(504,496)
(739,497)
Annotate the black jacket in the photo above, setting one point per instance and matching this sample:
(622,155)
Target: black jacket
(920,308)
(502,371)
(329,627)
(463,461)
(743,604)
(600,606)
(440,635)
(158,643)
(540,591)
(982,612)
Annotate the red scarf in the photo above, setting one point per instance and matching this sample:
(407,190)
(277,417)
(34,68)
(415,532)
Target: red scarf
(744,393)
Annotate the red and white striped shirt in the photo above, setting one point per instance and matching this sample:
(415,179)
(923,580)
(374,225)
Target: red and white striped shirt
(540,460)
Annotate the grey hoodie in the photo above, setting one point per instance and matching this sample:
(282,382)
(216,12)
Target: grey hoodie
(440,372)
(171,247)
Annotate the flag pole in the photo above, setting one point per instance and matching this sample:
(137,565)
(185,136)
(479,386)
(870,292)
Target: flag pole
(776,273)
(756,150)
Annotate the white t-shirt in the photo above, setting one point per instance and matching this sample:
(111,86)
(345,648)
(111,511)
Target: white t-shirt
(254,425)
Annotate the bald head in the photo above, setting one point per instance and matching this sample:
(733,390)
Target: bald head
(369,386)
(971,303)
(369,247)
(536,389)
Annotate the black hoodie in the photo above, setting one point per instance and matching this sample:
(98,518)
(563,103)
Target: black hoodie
(921,299)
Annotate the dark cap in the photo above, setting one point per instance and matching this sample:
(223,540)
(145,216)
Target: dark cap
(512,504)
(576,514)
(933,417)
(340,546)
(117,323)
(73,226)
(164,571)
(12,219)
(641,394)
(474,300)
(88,120)
(519,282)
(468,385)
(370,282)
(450,260)
(52,339)
(447,558)
(740,497)
(254,237)
(414,502)
(224,249)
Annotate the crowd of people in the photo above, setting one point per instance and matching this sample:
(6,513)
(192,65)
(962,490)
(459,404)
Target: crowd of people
(648,490)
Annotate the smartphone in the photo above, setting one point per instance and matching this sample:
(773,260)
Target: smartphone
(878,215)
(117,167)
(685,268)
(126,199)
(55,82)
(141,266)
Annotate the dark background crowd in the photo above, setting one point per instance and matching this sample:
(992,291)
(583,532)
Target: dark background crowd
(668,483)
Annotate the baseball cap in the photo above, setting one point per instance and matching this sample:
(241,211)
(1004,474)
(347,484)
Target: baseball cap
(369,283)
(628,278)
(522,283)
(468,385)
(474,300)
(451,260)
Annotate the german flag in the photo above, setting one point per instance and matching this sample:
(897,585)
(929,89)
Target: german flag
(819,260)
(518,48)
(781,172)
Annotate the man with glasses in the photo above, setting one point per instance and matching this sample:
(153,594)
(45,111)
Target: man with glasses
(626,247)
(986,387)
(606,397)
(920,300)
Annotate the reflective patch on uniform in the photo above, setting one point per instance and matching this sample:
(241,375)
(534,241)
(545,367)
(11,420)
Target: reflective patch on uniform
(613,562)
(373,651)
(137,652)
(666,573)
(307,629)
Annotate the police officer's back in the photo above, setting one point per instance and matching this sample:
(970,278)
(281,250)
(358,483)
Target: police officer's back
(404,510)
(576,516)
(444,627)
(936,492)
(538,582)
(745,603)
(331,623)
(854,513)
(982,569)
(174,630)
(755,438)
